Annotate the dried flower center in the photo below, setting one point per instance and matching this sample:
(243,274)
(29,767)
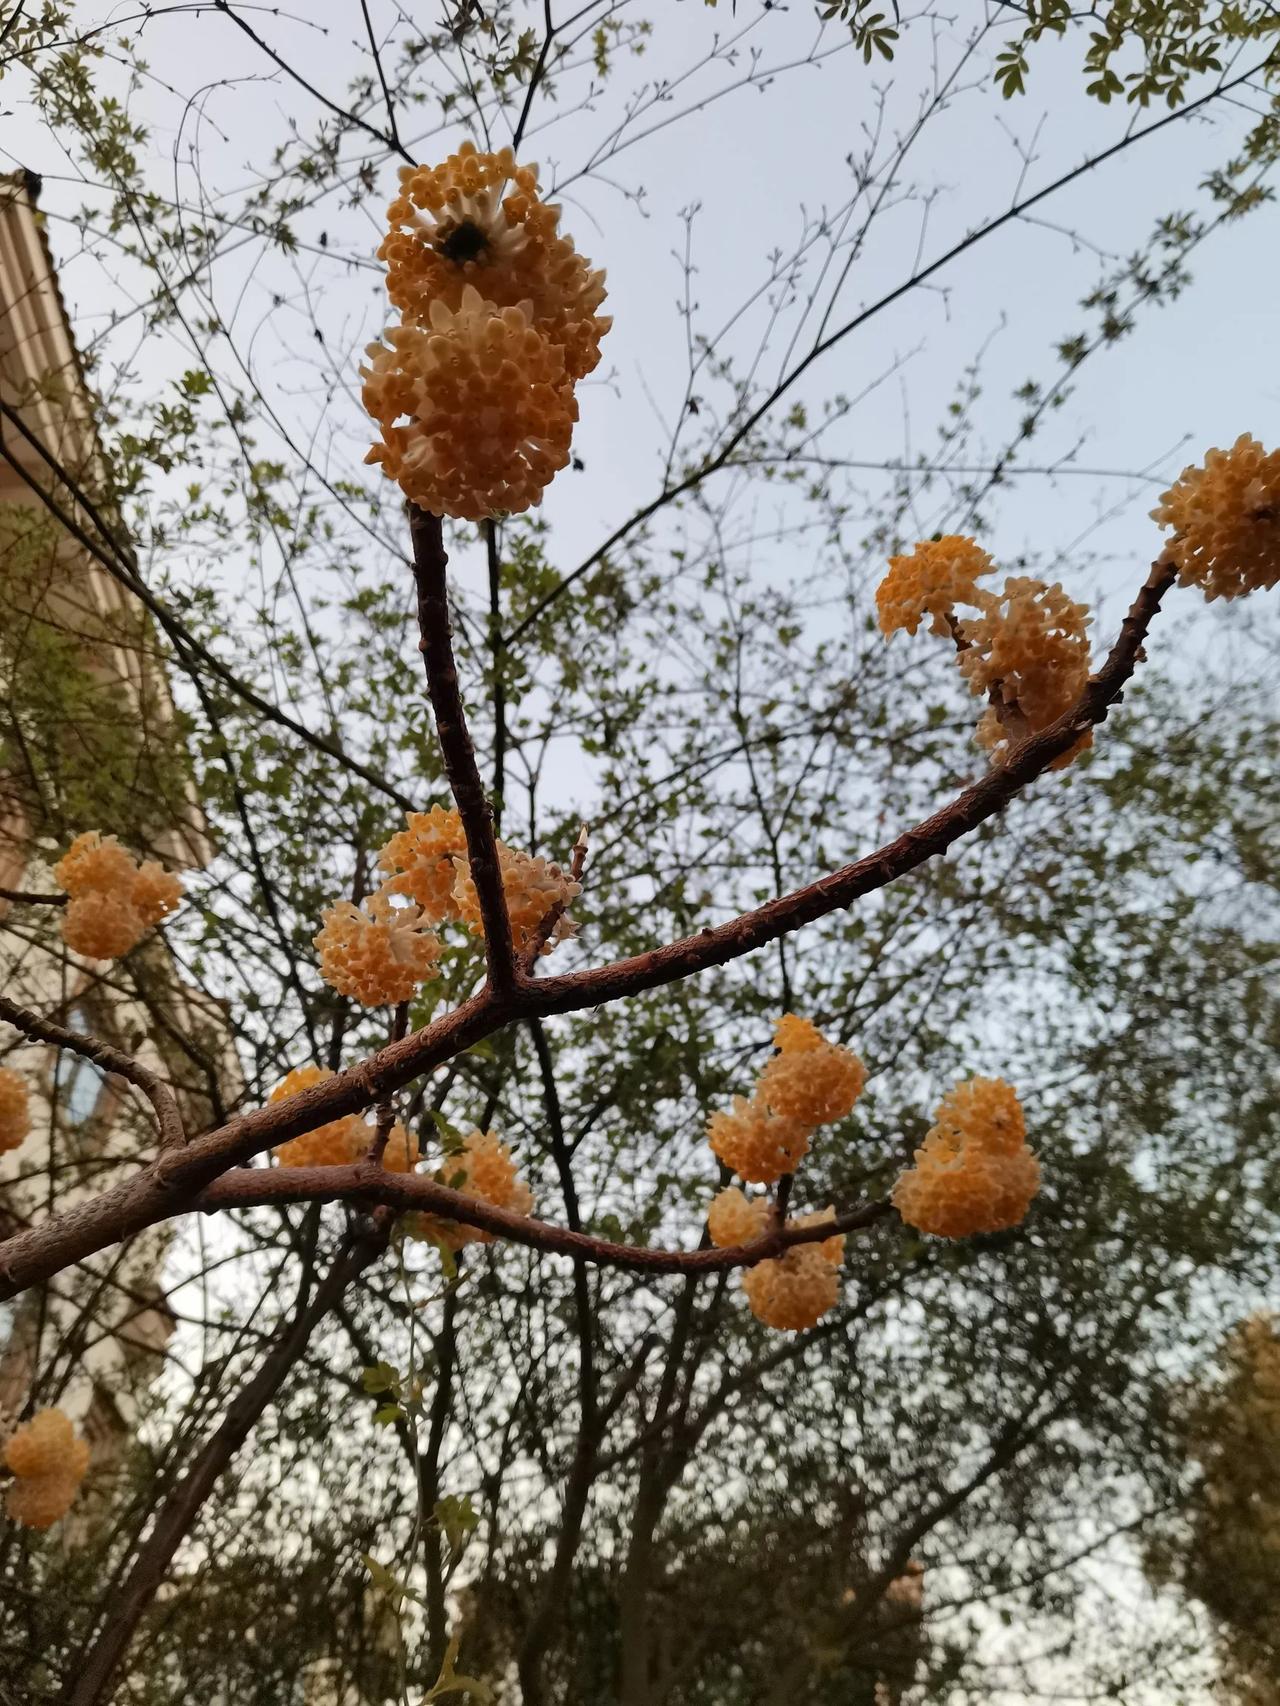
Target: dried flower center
(466,242)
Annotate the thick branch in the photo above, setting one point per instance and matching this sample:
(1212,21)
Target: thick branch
(170,1186)
(436,645)
(110,1059)
(982,800)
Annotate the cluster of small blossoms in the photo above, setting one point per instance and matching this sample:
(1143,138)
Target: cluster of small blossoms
(377,953)
(113,900)
(795,1290)
(735,1219)
(48,1463)
(809,1082)
(15,1111)
(383,950)
(1226,521)
(419,861)
(1026,650)
(490,412)
(475,395)
(974,1172)
(533,887)
(936,576)
(340,1142)
(485,1169)
(335,1144)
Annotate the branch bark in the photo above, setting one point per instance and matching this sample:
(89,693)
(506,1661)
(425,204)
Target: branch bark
(436,645)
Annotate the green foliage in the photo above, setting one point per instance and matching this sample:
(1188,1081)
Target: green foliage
(85,737)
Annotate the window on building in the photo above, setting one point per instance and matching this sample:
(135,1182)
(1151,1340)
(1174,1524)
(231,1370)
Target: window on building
(80,1082)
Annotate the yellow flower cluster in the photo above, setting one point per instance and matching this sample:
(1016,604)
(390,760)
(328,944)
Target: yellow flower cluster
(930,580)
(793,1291)
(483,1169)
(48,1463)
(532,886)
(15,1111)
(974,1172)
(809,1082)
(809,1079)
(491,413)
(381,951)
(114,900)
(335,1144)
(1026,649)
(756,1143)
(735,1219)
(1226,521)
(377,953)
(498,322)
(790,1291)
(419,861)
(339,1143)
(452,227)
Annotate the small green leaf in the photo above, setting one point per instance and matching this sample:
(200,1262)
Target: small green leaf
(381,1377)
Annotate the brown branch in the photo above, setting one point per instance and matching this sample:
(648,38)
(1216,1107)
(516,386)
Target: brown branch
(170,1186)
(91,1685)
(157,1092)
(23,897)
(436,646)
(365,1184)
(552,1593)
(982,800)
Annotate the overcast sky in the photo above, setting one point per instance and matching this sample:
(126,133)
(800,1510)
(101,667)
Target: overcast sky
(758,145)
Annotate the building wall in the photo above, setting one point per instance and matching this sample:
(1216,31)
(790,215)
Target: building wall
(79,647)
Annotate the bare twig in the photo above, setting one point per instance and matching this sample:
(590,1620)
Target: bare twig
(436,645)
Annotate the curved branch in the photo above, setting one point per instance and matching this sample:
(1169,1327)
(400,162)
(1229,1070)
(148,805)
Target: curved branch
(924,841)
(365,1184)
(157,1092)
